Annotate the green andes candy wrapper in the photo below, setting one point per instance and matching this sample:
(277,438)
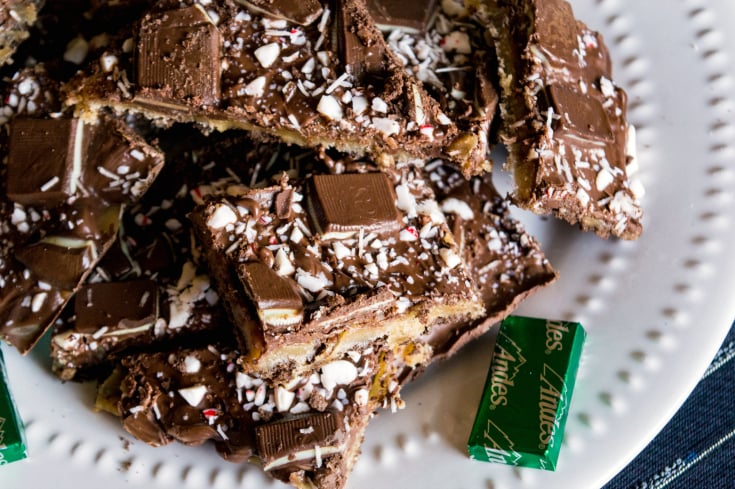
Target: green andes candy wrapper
(525,402)
(12,442)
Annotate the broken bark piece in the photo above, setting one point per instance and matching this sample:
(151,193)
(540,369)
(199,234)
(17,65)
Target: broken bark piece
(571,148)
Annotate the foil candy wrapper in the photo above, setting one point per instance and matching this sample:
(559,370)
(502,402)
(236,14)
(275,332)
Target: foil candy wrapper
(12,439)
(524,405)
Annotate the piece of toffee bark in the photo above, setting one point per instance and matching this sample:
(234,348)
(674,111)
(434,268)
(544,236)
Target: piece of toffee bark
(505,262)
(16,16)
(564,119)
(446,49)
(65,184)
(368,256)
(306,432)
(319,74)
(154,267)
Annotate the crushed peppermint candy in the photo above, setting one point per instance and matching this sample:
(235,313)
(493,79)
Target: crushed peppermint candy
(193,395)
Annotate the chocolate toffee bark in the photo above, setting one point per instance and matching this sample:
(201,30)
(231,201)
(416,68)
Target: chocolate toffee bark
(505,262)
(16,17)
(306,432)
(65,183)
(445,48)
(152,288)
(564,120)
(305,425)
(310,73)
(332,262)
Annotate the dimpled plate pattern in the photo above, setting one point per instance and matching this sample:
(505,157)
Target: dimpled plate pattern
(656,310)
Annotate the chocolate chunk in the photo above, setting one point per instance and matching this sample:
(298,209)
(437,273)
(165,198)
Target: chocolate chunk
(116,306)
(58,260)
(119,165)
(578,114)
(279,305)
(27,312)
(361,49)
(179,56)
(283,202)
(51,159)
(44,160)
(341,205)
(410,16)
(303,12)
(557,29)
(299,439)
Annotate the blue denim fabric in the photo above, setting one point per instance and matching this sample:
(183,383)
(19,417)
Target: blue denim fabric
(696,450)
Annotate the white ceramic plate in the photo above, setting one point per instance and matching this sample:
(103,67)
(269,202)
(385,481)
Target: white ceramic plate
(656,310)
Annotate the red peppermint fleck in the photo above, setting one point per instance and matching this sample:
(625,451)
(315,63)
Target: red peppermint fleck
(426,126)
(273,240)
(413,231)
(197,191)
(210,413)
(294,31)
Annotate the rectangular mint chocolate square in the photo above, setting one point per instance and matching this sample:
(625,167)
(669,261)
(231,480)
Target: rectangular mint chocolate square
(12,442)
(523,410)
